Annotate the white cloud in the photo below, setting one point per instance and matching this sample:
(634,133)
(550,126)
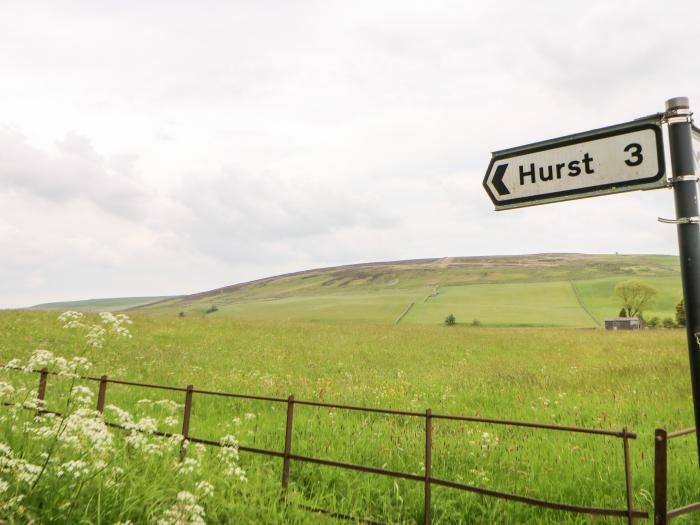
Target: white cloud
(173,147)
(75,172)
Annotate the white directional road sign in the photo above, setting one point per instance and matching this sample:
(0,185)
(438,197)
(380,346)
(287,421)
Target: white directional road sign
(608,160)
(696,148)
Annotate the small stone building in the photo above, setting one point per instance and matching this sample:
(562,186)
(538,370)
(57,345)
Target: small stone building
(623,323)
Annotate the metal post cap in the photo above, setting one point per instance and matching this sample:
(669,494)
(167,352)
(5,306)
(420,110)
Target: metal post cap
(677,103)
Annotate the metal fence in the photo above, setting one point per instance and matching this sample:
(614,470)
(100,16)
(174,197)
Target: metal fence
(661,513)
(427,479)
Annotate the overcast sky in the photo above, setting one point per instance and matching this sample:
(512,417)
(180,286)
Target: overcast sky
(152,148)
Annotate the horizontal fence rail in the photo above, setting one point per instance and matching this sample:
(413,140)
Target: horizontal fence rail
(427,479)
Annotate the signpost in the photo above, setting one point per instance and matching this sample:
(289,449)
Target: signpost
(685,193)
(616,159)
(608,160)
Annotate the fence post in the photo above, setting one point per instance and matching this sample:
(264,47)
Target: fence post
(287,445)
(101,393)
(628,475)
(428,464)
(41,393)
(186,421)
(660,476)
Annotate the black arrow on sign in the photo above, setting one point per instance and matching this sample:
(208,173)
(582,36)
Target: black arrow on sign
(498,180)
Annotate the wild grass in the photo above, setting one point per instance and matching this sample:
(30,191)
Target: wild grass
(585,378)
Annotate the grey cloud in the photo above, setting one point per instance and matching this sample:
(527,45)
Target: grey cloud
(74,172)
(236,214)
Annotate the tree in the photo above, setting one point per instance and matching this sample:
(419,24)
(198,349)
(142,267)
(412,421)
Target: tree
(668,322)
(450,320)
(680,313)
(635,296)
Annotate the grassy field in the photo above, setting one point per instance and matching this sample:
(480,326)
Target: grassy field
(533,290)
(525,304)
(571,377)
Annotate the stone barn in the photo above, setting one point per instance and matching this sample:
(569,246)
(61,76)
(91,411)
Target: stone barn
(623,323)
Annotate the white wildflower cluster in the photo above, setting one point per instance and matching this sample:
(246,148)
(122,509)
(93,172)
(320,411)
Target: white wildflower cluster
(117,323)
(6,389)
(74,468)
(60,365)
(140,436)
(38,360)
(85,431)
(186,511)
(96,333)
(81,395)
(228,455)
(16,468)
(82,431)
(187,466)
(147,425)
(95,336)
(12,363)
(71,319)
(168,404)
(204,489)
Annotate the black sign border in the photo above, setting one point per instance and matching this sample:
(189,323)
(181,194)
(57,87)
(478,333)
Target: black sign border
(566,141)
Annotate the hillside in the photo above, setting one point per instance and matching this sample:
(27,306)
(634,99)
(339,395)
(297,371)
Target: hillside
(100,305)
(573,290)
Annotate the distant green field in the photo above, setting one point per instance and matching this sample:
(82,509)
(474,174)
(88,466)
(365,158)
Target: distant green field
(100,305)
(527,304)
(597,294)
(532,290)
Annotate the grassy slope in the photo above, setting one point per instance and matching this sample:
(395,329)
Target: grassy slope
(572,377)
(100,305)
(532,290)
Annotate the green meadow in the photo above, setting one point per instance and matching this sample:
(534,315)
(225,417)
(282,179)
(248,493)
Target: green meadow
(555,290)
(582,377)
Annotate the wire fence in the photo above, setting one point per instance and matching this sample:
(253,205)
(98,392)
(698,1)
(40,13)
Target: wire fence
(629,513)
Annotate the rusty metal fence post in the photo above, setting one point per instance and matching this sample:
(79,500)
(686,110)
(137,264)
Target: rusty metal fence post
(101,393)
(428,464)
(287,444)
(41,392)
(660,476)
(628,475)
(186,421)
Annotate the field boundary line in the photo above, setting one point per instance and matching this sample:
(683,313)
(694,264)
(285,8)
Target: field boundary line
(405,311)
(434,293)
(582,304)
